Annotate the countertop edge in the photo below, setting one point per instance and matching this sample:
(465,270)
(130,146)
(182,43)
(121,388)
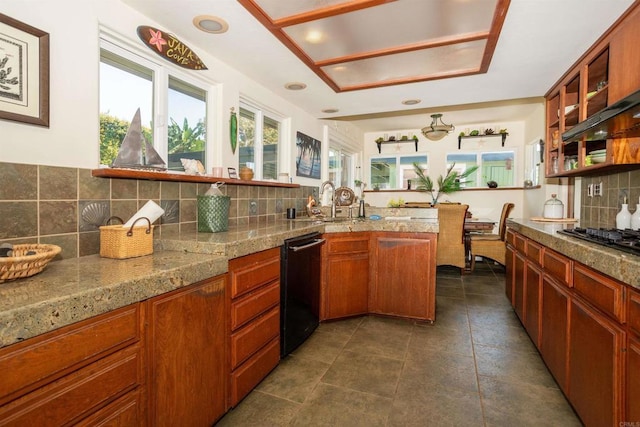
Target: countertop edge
(616,264)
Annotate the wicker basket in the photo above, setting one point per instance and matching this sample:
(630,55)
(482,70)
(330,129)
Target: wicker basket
(22,265)
(119,242)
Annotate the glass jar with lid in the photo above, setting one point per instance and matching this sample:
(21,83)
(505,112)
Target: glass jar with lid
(553,208)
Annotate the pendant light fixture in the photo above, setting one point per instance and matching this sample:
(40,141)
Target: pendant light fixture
(435,131)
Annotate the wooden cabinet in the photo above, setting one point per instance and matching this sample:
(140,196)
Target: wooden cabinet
(403,274)
(519,284)
(76,373)
(587,328)
(632,401)
(533,290)
(595,362)
(602,76)
(254,330)
(554,329)
(345,275)
(187,358)
(509,281)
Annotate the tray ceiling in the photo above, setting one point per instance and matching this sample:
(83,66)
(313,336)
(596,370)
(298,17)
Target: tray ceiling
(362,44)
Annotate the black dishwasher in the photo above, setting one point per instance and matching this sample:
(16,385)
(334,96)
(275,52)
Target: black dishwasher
(299,290)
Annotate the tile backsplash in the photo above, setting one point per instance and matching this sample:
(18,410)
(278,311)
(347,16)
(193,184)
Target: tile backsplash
(601,211)
(63,206)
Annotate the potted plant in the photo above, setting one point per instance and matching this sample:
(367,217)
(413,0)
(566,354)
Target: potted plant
(448,184)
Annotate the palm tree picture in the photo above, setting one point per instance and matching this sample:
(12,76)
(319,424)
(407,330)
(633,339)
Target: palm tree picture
(308,159)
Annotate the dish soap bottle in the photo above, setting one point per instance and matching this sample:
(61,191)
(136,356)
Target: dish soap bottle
(623,219)
(635,218)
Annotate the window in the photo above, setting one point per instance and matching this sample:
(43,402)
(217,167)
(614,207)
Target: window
(494,166)
(129,81)
(258,140)
(393,172)
(340,167)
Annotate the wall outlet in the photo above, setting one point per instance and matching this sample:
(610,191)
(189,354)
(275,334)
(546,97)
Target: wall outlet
(597,189)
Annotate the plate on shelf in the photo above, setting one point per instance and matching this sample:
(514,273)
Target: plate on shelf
(598,152)
(598,159)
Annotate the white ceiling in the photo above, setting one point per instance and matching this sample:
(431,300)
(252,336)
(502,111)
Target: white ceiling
(540,40)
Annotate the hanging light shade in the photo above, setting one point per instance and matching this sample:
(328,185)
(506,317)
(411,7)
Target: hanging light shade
(435,131)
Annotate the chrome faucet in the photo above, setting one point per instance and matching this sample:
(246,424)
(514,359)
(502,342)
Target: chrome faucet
(333,196)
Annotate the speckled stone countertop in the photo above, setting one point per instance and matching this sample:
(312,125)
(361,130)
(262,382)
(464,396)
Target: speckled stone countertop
(75,289)
(617,264)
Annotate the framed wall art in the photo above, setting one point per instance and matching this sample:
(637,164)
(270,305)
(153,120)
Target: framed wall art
(308,158)
(24,72)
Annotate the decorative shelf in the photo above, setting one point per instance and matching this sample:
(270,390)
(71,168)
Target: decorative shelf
(503,135)
(180,177)
(396,141)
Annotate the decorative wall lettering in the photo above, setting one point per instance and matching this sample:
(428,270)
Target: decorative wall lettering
(170,48)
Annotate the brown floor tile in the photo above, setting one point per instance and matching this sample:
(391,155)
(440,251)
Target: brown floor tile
(519,404)
(370,374)
(435,338)
(381,337)
(431,370)
(322,346)
(504,337)
(436,407)
(333,406)
(512,365)
(260,410)
(294,378)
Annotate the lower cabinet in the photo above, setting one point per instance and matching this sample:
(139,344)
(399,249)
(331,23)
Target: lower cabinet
(554,329)
(587,328)
(345,275)
(633,380)
(254,330)
(533,288)
(91,370)
(595,361)
(403,275)
(186,354)
(509,275)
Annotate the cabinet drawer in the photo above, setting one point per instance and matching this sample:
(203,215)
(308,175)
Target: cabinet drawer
(511,237)
(78,394)
(126,411)
(253,336)
(252,271)
(558,266)
(34,362)
(534,252)
(634,312)
(520,242)
(600,291)
(347,245)
(253,304)
(244,379)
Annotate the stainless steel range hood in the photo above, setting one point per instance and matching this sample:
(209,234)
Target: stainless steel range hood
(620,120)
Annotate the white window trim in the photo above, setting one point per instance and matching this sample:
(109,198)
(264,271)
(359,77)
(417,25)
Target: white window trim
(124,47)
(260,111)
(478,155)
(399,167)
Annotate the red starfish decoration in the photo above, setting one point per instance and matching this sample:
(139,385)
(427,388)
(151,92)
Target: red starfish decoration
(157,40)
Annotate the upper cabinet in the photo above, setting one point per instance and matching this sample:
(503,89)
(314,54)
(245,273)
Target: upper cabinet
(604,75)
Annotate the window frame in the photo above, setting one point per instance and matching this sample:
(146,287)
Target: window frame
(478,174)
(124,48)
(399,166)
(261,112)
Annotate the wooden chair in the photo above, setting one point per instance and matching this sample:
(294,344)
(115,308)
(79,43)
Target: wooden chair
(492,245)
(451,249)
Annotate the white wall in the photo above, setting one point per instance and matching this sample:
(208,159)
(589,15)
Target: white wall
(72,139)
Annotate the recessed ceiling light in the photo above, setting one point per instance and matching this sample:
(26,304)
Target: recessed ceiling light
(210,24)
(295,86)
(330,110)
(411,101)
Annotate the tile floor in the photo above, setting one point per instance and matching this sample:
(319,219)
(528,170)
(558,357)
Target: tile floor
(476,366)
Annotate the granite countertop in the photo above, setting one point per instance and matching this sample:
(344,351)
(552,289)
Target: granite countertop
(75,289)
(617,264)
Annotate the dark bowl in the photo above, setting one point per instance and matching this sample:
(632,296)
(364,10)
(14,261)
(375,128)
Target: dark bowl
(492,184)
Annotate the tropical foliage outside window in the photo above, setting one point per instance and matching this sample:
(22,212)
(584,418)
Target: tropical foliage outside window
(126,85)
(495,166)
(258,153)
